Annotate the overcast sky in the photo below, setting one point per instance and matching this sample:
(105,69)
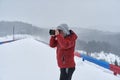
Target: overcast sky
(93,14)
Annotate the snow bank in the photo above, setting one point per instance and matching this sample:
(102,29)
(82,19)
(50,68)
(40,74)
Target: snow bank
(28,59)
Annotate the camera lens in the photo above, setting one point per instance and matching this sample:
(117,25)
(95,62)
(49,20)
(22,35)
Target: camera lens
(52,32)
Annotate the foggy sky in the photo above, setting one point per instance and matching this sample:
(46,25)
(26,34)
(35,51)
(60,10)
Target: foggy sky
(93,14)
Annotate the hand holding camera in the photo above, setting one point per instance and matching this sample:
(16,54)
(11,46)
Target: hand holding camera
(54,32)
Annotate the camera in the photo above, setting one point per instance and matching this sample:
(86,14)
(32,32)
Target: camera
(52,32)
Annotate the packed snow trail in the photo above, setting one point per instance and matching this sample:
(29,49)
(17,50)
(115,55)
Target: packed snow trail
(29,59)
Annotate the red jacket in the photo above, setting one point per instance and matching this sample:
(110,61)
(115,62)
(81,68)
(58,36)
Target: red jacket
(65,49)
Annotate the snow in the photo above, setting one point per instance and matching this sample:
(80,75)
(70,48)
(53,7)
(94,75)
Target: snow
(28,59)
(108,57)
(17,36)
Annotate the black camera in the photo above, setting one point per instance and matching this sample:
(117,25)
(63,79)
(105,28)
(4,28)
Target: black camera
(52,32)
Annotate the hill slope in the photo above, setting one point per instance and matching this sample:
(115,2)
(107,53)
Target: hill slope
(101,41)
(28,59)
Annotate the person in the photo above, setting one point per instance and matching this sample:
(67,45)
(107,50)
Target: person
(64,39)
(116,63)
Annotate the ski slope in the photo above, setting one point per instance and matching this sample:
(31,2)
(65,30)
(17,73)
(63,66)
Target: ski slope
(28,59)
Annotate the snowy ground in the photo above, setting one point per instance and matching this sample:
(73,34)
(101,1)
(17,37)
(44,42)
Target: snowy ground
(108,57)
(28,59)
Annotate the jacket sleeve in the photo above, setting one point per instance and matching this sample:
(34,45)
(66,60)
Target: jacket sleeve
(66,43)
(53,41)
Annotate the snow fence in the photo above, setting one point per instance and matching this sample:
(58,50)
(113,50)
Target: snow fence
(114,68)
(3,42)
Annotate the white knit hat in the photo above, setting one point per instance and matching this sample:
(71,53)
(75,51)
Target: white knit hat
(64,28)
